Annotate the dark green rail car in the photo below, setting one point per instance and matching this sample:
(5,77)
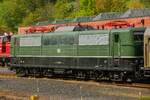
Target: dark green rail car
(116,54)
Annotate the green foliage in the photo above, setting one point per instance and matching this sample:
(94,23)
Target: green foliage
(61,9)
(135,4)
(146,3)
(15,13)
(11,13)
(40,14)
(118,6)
(87,8)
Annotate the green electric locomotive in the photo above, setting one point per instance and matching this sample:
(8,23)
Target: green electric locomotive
(115,54)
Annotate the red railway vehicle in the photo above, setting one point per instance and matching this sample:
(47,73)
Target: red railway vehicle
(5,50)
(34,29)
(99,24)
(131,18)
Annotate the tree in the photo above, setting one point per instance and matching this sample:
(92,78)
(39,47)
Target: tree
(41,14)
(118,6)
(11,14)
(86,8)
(63,9)
(110,6)
(14,13)
(146,3)
(103,5)
(135,4)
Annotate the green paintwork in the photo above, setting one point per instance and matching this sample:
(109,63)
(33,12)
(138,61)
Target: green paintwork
(67,44)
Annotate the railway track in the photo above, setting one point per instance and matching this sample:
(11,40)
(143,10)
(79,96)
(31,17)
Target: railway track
(131,85)
(134,85)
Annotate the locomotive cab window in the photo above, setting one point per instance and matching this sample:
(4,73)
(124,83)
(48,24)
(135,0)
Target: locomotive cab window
(5,39)
(59,40)
(138,36)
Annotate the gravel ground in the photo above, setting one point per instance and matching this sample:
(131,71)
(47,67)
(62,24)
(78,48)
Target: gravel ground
(5,70)
(52,89)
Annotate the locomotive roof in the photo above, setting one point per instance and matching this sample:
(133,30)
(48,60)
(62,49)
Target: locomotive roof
(70,32)
(65,29)
(74,28)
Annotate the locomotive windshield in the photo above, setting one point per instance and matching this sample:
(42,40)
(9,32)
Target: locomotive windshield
(138,36)
(5,39)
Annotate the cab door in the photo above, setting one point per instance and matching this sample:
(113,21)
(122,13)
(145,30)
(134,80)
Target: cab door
(116,49)
(116,45)
(14,47)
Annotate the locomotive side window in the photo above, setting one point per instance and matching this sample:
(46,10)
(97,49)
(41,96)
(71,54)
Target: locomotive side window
(50,41)
(66,40)
(138,36)
(61,40)
(96,39)
(30,41)
(5,39)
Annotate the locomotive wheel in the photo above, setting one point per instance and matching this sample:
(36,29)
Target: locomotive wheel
(48,73)
(79,75)
(36,72)
(128,80)
(20,72)
(87,76)
(98,75)
(117,76)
